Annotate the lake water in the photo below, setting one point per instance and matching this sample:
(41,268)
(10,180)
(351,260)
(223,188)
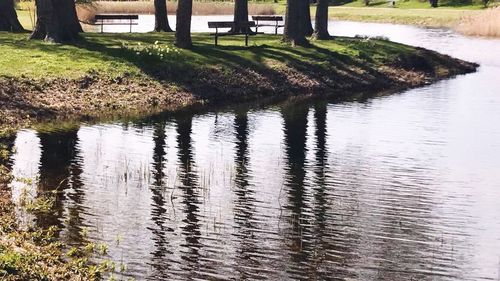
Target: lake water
(399,187)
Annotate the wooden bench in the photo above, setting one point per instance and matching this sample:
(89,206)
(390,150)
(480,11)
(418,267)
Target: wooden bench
(116,20)
(266,20)
(232,25)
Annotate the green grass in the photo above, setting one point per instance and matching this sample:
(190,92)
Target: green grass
(103,75)
(440,17)
(104,53)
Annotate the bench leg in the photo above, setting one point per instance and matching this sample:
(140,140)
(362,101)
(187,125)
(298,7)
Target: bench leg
(246,39)
(216,40)
(102,27)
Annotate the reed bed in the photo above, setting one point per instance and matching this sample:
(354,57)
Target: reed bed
(485,23)
(87,12)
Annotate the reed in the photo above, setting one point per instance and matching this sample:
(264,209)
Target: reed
(87,12)
(485,23)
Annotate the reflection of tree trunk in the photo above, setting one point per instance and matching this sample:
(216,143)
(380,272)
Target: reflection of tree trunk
(320,189)
(189,183)
(75,203)
(56,21)
(159,154)
(320,112)
(244,205)
(58,152)
(183,24)
(161,18)
(321,22)
(241,126)
(295,137)
(8,17)
(159,212)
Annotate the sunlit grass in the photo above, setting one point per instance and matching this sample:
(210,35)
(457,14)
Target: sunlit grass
(424,17)
(106,54)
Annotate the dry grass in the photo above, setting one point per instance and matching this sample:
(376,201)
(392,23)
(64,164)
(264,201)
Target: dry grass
(87,12)
(485,23)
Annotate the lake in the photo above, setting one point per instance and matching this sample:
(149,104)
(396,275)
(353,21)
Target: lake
(394,187)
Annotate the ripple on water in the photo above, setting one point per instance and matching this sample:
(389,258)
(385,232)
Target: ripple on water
(396,187)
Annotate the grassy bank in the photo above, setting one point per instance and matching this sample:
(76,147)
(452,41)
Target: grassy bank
(121,74)
(441,17)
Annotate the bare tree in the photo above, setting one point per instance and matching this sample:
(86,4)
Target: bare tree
(161,18)
(183,25)
(8,17)
(56,21)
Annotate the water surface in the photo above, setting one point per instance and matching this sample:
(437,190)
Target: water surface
(399,187)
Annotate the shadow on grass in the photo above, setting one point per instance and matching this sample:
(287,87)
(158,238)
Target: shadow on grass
(207,70)
(221,73)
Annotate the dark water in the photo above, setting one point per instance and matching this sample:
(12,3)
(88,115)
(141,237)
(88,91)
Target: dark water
(400,187)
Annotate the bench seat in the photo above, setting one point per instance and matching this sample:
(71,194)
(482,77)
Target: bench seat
(116,19)
(267,22)
(232,25)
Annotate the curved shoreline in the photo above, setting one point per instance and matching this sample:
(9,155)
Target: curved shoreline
(99,78)
(211,75)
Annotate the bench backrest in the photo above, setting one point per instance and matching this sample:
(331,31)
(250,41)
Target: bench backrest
(116,17)
(230,24)
(268,18)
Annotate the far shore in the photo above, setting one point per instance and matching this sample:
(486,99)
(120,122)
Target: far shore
(471,20)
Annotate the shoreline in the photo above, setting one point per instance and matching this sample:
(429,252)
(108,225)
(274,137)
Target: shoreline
(223,76)
(111,76)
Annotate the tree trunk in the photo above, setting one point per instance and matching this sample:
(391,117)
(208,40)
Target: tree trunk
(56,21)
(8,17)
(241,15)
(321,23)
(434,3)
(305,17)
(183,25)
(161,19)
(294,28)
